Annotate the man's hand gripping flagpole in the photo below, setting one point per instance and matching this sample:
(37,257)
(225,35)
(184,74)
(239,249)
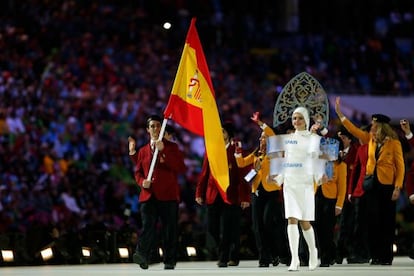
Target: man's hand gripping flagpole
(154,157)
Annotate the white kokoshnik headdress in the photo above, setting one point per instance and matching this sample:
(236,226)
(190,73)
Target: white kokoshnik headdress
(303,90)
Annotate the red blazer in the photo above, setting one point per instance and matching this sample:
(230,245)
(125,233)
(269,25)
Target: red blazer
(349,160)
(238,190)
(170,163)
(357,174)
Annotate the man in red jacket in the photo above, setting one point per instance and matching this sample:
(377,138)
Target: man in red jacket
(359,247)
(159,196)
(409,182)
(350,147)
(409,179)
(224,217)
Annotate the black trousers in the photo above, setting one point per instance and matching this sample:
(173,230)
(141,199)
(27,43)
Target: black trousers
(359,235)
(325,221)
(167,213)
(268,225)
(343,245)
(224,227)
(381,212)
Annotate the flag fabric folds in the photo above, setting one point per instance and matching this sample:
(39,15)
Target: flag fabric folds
(192,104)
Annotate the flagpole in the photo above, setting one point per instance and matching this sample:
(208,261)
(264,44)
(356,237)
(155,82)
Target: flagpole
(193,105)
(154,157)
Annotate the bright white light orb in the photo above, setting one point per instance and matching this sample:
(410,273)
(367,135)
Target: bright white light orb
(167,25)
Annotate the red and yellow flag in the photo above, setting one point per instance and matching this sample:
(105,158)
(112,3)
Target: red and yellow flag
(192,104)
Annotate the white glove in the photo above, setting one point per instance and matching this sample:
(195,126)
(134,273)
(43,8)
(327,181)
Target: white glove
(279,179)
(321,179)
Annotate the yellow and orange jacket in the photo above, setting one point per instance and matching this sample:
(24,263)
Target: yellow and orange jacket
(263,173)
(335,188)
(390,165)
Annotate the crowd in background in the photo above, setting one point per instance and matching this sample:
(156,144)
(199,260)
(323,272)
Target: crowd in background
(78,77)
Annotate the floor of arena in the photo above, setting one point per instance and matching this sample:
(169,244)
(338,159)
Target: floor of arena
(402,266)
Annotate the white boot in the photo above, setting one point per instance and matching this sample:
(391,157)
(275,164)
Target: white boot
(293,236)
(309,236)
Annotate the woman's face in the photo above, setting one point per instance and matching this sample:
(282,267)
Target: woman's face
(262,141)
(373,131)
(298,121)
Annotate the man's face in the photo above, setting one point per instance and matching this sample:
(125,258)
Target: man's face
(154,128)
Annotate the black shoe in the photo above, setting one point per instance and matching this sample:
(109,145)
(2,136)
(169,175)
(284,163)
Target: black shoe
(284,260)
(386,262)
(154,258)
(375,262)
(169,266)
(222,264)
(275,261)
(233,263)
(339,260)
(140,260)
(411,254)
(326,262)
(357,260)
(263,264)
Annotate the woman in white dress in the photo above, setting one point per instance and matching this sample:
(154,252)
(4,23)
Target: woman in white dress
(302,151)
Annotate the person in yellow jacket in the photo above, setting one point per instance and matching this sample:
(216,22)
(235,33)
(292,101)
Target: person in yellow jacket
(329,201)
(266,202)
(386,163)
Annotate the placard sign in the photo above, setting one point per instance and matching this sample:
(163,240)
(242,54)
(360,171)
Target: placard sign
(295,153)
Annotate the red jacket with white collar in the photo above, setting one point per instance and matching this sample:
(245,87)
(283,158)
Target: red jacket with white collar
(170,163)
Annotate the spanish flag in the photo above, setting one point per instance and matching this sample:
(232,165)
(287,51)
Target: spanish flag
(192,104)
